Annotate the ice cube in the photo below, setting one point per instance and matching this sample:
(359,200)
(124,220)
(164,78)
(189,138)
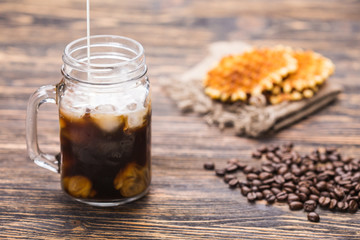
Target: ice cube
(75,113)
(105,108)
(105,117)
(131,106)
(136,119)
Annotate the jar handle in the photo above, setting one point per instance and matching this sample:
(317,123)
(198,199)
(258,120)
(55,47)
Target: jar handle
(45,94)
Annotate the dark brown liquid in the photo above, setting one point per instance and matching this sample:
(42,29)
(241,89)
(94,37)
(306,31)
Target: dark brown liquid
(104,165)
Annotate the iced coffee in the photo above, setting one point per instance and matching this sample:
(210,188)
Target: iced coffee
(105,143)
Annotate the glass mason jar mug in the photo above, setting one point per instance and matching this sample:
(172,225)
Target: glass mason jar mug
(105,122)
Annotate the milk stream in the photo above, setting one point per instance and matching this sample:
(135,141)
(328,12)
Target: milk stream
(88,36)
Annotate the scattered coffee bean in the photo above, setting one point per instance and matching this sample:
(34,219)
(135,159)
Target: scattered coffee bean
(309,206)
(251,196)
(333,204)
(296,205)
(262,149)
(209,166)
(252,176)
(270,198)
(293,197)
(259,195)
(324,201)
(231,168)
(275,190)
(314,197)
(256,154)
(353,206)
(303,197)
(281,196)
(245,190)
(324,177)
(229,177)
(240,165)
(313,217)
(220,172)
(248,169)
(233,183)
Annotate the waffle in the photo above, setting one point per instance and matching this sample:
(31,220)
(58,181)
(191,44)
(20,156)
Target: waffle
(237,77)
(313,70)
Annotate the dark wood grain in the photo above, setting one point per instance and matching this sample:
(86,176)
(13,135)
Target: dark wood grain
(185,201)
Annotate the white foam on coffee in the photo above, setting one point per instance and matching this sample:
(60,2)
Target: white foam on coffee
(106,108)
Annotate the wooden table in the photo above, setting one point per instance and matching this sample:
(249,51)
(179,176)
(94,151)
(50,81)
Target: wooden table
(185,201)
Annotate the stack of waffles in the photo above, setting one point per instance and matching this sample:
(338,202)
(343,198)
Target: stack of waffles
(275,74)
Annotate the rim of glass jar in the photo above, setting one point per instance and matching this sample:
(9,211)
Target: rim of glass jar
(93,68)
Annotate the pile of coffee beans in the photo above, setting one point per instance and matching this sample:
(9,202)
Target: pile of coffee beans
(322,178)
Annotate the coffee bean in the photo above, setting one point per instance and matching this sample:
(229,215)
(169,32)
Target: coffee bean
(330,150)
(339,193)
(304,190)
(259,195)
(313,217)
(220,172)
(279,179)
(323,176)
(275,185)
(262,149)
(303,197)
(282,170)
(268,181)
(295,205)
(231,168)
(270,155)
(252,176)
(275,190)
(209,166)
(288,176)
(244,183)
(233,183)
(290,185)
(314,197)
(324,201)
(273,148)
(270,198)
(267,168)
(325,194)
(229,177)
(342,206)
(276,159)
(251,196)
(267,192)
(353,206)
(245,190)
(314,190)
(240,165)
(264,187)
(232,161)
(265,175)
(256,154)
(248,169)
(293,197)
(321,185)
(333,203)
(281,196)
(309,206)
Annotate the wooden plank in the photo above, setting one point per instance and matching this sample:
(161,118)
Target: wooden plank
(185,201)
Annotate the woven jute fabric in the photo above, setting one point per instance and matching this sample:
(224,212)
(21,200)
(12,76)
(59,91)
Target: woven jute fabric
(244,120)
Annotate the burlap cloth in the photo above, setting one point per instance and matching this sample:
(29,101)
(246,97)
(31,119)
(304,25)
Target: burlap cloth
(242,119)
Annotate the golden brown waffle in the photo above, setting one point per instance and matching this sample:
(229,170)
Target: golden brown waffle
(237,77)
(313,70)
